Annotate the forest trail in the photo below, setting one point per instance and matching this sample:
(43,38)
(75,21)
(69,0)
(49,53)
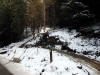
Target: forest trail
(80,58)
(29,45)
(92,64)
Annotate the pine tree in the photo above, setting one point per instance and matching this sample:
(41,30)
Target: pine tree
(12,20)
(34,14)
(72,13)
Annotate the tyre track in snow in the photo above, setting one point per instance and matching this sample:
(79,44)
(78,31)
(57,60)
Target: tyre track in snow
(92,64)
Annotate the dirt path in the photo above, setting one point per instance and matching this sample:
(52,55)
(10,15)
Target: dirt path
(82,59)
(92,64)
(4,71)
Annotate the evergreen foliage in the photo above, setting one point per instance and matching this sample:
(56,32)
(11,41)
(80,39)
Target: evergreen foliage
(12,20)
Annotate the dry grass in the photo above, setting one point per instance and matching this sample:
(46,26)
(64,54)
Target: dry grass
(16,60)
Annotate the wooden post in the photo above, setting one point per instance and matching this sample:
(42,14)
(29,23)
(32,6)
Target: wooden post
(51,59)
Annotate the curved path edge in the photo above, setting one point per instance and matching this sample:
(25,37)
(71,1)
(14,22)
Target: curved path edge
(10,68)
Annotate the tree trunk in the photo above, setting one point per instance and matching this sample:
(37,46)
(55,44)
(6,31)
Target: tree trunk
(44,15)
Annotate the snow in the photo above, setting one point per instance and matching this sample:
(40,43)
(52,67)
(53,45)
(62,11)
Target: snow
(58,47)
(46,29)
(16,45)
(79,44)
(37,60)
(81,4)
(15,68)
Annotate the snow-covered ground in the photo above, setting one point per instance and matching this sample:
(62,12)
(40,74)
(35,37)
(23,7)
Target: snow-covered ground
(79,44)
(38,59)
(14,68)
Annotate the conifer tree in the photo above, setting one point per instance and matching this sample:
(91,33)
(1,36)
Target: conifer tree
(12,20)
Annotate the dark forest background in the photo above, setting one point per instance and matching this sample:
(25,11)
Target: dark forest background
(76,13)
(16,15)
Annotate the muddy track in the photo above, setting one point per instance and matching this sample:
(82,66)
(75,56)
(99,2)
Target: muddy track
(81,59)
